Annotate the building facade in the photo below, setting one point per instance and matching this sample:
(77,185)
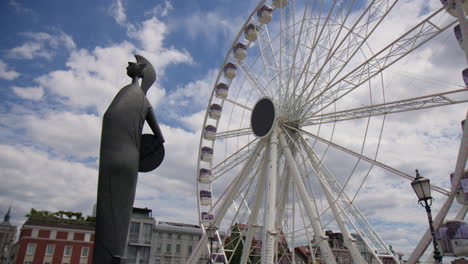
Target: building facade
(45,242)
(173,243)
(7,238)
(140,236)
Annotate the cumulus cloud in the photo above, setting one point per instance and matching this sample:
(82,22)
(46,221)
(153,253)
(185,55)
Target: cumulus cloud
(7,74)
(42,45)
(30,93)
(117,11)
(160,10)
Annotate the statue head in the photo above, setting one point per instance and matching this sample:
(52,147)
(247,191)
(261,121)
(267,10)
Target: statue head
(135,69)
(147,73)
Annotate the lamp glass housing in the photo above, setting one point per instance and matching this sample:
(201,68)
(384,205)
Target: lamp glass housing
(422,188)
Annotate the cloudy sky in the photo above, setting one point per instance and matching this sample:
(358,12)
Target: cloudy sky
(61,63)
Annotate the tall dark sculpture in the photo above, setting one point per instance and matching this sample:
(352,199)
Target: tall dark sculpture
(124,152)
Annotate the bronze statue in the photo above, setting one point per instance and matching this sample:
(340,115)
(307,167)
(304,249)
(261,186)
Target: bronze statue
(124,152)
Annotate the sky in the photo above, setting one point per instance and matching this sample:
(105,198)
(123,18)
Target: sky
(61,63)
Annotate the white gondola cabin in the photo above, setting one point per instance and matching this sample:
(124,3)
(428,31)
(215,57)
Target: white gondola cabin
(264,14)
(215,111)
(209,133)
(206,219)
(230,70)
(221,90)
(452,8)
(280,3)
(240,51)
(462,192)
(204,176)
(251,32)
(207,154)
(205,197)
(452,236)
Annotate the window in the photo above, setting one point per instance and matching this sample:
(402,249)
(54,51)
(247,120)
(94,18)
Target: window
(157,261)
(53,234)
(147,228)
(84,252)
(67,252)
(179,236)
(49,250)
(168,248)
(134,231)
(158,247)
(87,237)
(177,249)
(190,249)
(34,233)
(31,249)
(27,262)
(169,235)
(70,235)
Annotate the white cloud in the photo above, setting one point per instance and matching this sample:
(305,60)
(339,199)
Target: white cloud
(7,74)
(30,93)
(32,179)
(117,11)
(41,45)
(20,8)
(160,10)
(66,134)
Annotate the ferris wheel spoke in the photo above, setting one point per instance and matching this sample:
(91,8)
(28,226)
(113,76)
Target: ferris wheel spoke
(355,38)
(338,201)
(309,206)
(404,45)
(411,104)
(252,79)
(232,161)
(270,63)
(234,133)
(325,44)
(370,160)
(237,184)
(255,211)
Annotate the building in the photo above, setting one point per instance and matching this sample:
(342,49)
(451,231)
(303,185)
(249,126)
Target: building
(140,236)
(173,243)
(7,238)
(53,240)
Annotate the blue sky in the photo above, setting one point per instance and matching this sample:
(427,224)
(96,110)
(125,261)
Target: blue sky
(61,63)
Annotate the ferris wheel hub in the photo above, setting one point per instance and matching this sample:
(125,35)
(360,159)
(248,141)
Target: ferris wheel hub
(263,117)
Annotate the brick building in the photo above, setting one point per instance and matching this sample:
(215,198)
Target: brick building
(43,241)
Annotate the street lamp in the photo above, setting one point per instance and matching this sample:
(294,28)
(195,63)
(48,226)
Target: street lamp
(211,232)
(422,188)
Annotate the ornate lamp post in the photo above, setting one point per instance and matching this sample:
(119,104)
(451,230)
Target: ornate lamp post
(422,188)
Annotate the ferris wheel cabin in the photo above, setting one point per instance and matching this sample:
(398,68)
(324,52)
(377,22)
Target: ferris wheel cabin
(209,133)
(462,193)
(215,111)
(240,51)
(251,32)
(207,154)
(206,219)
(204,176)
(453,238)
(230,70)
(264,14)
(222,90)
(452,8)
(205,197)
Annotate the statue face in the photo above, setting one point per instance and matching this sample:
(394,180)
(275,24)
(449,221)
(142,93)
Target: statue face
(133,70)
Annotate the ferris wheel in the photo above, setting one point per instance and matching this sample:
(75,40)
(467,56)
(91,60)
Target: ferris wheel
(294,129)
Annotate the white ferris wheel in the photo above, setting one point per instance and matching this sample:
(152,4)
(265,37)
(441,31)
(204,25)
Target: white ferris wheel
(295,126)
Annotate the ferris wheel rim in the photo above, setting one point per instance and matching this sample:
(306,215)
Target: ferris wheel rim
(228,54)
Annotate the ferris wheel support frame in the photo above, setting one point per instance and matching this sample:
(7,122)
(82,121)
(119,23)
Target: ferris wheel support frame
(348,240)
(310,207)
